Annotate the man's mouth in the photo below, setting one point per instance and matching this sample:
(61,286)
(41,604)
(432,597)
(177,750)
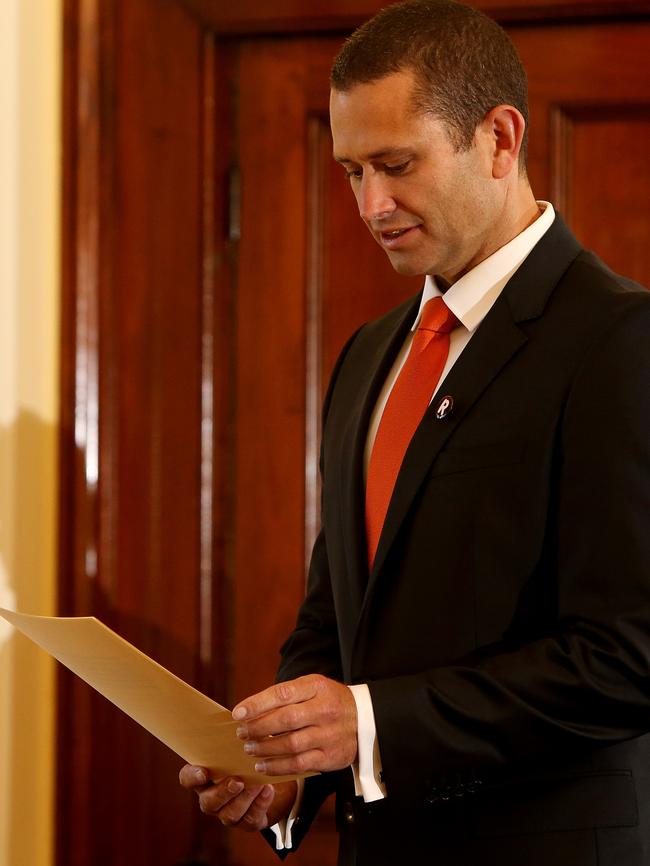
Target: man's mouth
(392,238)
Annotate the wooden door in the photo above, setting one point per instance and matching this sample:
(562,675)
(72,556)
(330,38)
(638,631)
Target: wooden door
(213,266)
(310,274)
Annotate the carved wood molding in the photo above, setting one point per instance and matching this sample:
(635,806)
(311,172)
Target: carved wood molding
(292,16)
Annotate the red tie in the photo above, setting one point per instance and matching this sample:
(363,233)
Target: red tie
(407,403)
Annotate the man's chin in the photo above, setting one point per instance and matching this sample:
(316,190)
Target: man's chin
(407,267)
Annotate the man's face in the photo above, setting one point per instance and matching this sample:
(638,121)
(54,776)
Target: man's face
(432,209)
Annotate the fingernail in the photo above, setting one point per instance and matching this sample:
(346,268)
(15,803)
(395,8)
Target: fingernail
(235,787)
(249,748)
(239,713)
(242,732)
(260,767)
(200,777)
(267,790)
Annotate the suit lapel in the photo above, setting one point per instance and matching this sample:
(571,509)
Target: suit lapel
(384,340)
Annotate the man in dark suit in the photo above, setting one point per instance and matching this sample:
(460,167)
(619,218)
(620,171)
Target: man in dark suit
(475,639)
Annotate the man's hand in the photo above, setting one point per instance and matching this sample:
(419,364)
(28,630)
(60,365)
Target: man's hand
(235,804)
(307,724)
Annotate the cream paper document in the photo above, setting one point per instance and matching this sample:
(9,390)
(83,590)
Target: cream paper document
(198,729)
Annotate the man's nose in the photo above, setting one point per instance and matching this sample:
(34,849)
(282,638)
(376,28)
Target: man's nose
(374,199)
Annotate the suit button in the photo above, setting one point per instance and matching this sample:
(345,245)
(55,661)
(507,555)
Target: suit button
(348,814)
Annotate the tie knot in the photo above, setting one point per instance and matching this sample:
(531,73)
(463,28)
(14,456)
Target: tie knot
(436,316)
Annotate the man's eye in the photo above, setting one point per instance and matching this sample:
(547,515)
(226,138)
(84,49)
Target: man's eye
(397,169)
(353,173)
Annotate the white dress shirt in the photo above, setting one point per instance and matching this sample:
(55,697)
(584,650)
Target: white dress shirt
(470,298)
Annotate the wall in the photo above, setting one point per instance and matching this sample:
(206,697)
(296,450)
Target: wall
(29,289)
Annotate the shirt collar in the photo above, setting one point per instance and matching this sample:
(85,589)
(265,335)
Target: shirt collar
(471,297)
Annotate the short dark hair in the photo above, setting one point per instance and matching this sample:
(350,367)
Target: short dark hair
(464,63)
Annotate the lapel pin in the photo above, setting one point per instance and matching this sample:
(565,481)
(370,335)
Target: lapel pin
(445,407)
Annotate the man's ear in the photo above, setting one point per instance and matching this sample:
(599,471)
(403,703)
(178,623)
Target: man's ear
(504,128)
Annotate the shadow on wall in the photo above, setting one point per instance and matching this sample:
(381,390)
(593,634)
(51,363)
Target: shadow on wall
(28,497)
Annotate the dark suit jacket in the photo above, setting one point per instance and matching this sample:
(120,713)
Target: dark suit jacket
(504,630)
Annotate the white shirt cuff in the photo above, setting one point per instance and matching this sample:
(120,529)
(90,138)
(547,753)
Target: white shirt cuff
(282,829)
(367,769)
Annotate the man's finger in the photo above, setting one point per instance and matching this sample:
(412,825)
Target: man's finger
(256,817)
(228,801)
(277,722)
(287,744)
(191,776)
(305,762)
(278,695)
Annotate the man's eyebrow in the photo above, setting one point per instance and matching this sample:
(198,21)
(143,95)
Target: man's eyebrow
(394,152)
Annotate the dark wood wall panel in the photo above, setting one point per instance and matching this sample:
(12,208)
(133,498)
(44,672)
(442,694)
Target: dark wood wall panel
(271,339)
(150,395)
(618,136)
(156,304)
(153,596)
(589,133)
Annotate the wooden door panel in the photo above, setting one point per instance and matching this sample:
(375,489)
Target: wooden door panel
(271,334)
(605,173)
(590,109)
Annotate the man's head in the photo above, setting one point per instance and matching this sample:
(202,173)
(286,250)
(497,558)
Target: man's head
(463,62)
(429,136)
